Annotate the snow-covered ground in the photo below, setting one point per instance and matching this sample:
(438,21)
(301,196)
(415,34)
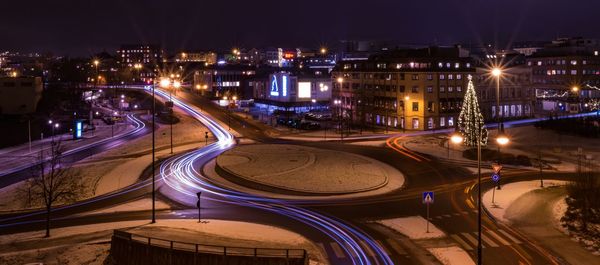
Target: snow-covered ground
(307,169)
(90,244)
(451,256)
(133,206)
(121,166)
(509,193)
(414,227)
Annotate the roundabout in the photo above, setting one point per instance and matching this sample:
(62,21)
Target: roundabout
(300,170)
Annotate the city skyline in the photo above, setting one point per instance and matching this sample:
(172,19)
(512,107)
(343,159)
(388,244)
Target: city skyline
(83,29)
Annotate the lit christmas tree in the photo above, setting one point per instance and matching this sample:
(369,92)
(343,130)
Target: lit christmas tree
(470,120)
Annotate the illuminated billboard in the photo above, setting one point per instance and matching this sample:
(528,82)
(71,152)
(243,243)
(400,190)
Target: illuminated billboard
(78,132)
(304,90)
(279,85)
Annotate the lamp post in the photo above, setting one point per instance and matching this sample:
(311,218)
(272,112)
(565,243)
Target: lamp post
(457,138)
(340,81)
(497,73)
(96,64)
(337,103)
(166,83)
(406,99)
(153,152)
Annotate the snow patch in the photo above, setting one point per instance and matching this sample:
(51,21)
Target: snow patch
(451,256)
(511,192)
(413,227)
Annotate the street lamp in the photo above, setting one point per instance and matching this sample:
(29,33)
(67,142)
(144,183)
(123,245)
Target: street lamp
(340,80)
(166,83)
(497,73)
(502,139)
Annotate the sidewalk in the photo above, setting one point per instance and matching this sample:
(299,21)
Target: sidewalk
(536,212)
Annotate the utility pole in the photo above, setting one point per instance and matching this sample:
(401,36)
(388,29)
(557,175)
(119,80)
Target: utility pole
(153,153)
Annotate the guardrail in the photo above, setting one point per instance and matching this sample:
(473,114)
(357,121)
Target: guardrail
(128,248)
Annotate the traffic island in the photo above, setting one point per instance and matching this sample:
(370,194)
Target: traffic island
(305,171)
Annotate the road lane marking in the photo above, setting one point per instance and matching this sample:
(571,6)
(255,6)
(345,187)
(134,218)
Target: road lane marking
(337,250)
(396,246)
(461,242)
(509,236)
(324,251)
(470,238)
(470,204)
(488,241)
(498,237)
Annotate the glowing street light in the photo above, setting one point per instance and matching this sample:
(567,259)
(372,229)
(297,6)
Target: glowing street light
(575,88)
(165,82)
(176,84)
(340,80)
(456,138)
(323,50)
(497,72)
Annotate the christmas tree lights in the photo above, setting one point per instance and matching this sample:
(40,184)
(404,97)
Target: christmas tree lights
(470,120)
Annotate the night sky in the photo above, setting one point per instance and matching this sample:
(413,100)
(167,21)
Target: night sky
(83,27)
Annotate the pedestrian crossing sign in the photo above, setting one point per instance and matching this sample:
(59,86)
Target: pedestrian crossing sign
(428,197)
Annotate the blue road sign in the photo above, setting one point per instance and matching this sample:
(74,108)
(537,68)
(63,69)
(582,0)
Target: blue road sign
(428,197)
(495,177)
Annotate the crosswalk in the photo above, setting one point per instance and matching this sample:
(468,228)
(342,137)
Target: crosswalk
(489,239)
(388,245)
(466,240)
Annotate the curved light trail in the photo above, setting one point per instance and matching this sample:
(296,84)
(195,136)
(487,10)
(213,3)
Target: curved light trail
(180,173)
(115,141)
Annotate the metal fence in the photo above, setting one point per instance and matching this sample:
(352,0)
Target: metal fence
(128,248)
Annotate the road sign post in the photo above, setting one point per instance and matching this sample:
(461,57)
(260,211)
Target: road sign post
(496,179)
(428,198)
(198,205)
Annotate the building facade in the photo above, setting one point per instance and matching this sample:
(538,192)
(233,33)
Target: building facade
(19,95)
(516,94)
(413,89)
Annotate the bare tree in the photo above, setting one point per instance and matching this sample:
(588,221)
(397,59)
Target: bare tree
(53,183)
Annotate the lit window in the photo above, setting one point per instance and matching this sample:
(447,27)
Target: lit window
(442,77)
(450,89)
(456,65)
(450,77)
(429,89)
(573,62)
(415,123)
(415,106)
(442,121)
(451,121)
(573,72)
(458,77)
(458,89)
(440,65)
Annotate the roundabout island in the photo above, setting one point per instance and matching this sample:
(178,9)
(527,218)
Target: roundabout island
(300,170)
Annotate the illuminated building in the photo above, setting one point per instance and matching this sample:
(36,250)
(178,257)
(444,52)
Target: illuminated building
(196,57)
(296,91)
(562,65)
(128,55)
(415,89)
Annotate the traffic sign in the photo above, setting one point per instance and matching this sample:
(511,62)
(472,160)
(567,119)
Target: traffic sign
(495,177)
(428,197)
(496,167)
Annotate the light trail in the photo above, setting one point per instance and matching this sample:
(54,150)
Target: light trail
(116,140)
(180,174)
